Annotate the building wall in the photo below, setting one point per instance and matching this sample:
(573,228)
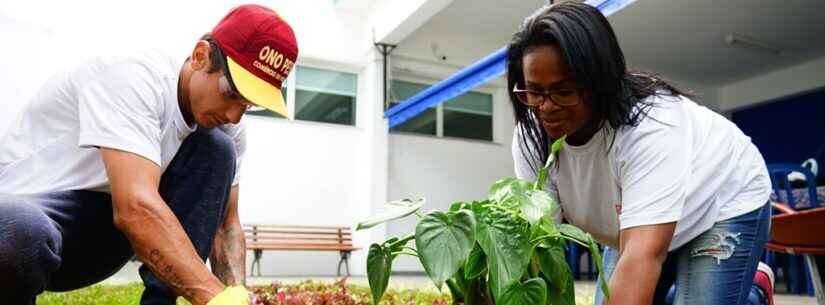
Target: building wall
(792,80)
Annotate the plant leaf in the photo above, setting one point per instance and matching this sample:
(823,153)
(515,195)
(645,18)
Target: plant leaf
(537,205)
(476,264)
(506,242)
(554,267)
(455,206)
(548,227)
(541,179)
(563,295)
(379,265)
(505,189)
(557,144)
(444,241)
(597,257)
(575,233)
(533,291)
(392,210)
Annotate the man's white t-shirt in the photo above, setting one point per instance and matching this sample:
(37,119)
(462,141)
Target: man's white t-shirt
(682,163)
(128,103)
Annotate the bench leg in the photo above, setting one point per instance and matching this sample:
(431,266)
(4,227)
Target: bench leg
(344,260)
(256,261)
(816,278)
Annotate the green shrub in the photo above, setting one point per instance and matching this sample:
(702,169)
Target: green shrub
(503,250)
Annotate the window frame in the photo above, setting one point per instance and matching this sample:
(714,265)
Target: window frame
(439,110)
(334,66)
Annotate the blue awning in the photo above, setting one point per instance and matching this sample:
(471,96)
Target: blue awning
(494,65)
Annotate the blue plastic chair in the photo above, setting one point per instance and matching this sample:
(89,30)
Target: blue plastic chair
(779,180)
(574,252)
(798,274)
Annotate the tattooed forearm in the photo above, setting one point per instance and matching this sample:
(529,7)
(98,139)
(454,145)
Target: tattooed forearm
(167,272)
(228,257)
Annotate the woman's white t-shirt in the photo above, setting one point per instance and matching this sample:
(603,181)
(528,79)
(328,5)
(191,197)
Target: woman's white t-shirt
(682,163)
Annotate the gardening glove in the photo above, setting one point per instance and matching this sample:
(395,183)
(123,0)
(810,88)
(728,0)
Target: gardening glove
(232,295)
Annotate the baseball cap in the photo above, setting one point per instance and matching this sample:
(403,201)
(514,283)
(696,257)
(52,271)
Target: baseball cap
(260,50)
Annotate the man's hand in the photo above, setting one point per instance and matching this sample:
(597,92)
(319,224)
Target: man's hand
(233,295)
(152,229)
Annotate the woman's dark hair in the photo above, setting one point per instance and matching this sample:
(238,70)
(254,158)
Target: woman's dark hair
(591,52)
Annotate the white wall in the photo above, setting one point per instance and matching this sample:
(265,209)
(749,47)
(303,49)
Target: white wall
(299,173)
(796,79)
(442,171)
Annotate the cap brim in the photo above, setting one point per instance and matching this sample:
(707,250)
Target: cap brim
(256,90)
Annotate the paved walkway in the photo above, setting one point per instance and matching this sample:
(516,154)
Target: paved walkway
(583,288)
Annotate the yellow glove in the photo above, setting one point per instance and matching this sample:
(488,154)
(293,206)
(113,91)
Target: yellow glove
(232,295)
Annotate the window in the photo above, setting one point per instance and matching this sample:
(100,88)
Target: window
(325,96)
(322,96)
(423,123)
(468,116)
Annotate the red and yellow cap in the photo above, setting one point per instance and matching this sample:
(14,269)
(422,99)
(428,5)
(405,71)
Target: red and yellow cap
(261,50)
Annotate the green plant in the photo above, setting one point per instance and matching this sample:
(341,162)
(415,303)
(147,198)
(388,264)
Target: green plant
(503,250)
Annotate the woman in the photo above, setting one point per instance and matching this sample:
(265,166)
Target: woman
(677,192)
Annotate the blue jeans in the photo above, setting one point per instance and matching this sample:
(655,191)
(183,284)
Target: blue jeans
(66,240)
(715,268)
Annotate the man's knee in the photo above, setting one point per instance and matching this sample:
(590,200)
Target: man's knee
(30,245)
(220,147)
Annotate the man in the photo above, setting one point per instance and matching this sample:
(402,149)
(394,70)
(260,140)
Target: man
(121,156)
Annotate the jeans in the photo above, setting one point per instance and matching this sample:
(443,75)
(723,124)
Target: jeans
(715,268)
(67,240)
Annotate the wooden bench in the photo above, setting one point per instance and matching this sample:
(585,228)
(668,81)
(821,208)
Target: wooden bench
(298,238)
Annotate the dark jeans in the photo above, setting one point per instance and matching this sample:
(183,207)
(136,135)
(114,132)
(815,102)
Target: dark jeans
(715,268)
(66,240)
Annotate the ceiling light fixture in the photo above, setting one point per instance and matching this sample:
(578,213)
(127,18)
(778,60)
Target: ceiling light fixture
(747,41)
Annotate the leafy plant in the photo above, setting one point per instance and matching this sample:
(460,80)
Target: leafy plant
(503,250)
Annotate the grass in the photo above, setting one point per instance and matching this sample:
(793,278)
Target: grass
(307,292)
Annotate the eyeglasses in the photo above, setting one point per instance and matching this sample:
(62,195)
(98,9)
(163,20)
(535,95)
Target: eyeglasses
(229,93)
(561,97)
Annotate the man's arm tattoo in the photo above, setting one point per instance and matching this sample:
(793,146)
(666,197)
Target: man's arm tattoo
(229,256)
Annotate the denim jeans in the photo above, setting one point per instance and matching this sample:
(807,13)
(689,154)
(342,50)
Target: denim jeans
(715,268)
(67,240)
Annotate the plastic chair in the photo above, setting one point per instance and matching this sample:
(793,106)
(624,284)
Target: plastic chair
(574,252)
(798,274)
(779,172)
(791,233)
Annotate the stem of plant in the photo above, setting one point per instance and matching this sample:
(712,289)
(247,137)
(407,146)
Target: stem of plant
(419,215)
(402,241)
(534,267)
(404,253)
(496,207)
(575,241)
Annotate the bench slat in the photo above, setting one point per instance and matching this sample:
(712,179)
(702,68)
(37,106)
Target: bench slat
(299,246)
(259,231)
(295,226)
(282,237)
